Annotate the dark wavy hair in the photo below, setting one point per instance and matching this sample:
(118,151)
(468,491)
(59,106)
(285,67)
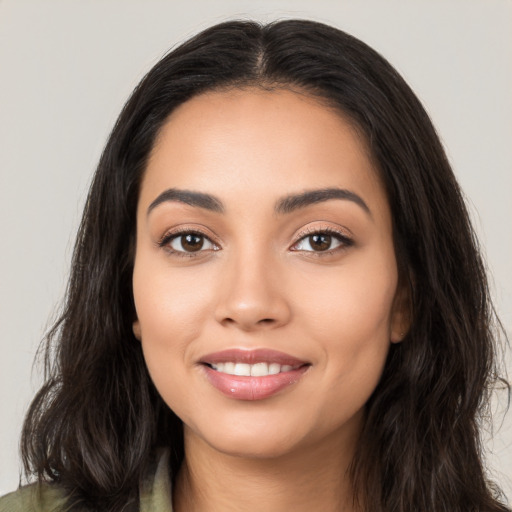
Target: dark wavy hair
(98,418)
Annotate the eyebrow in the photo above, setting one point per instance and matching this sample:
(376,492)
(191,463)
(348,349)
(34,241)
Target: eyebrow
(294,202)
(285,205)
(206,201)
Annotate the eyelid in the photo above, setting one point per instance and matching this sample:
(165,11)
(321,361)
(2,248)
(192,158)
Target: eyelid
(171,234)
(341,235)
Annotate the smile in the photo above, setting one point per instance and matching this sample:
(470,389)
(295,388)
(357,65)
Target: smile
(253,370)
(252,374)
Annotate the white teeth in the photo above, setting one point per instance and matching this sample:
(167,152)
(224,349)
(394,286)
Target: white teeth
(259,370)
(228,368)
(254,370)
(242,369)
(274,368)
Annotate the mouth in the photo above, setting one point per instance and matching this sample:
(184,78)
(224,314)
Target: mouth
(252,374)
(252,370)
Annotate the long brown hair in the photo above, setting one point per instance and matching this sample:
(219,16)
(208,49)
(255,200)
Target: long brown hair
(98,418)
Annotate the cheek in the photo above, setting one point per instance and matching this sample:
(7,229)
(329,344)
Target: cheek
(352,303)
(172,310)
(169,304)
(349,316)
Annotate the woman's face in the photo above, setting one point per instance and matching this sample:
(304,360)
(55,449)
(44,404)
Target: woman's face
(265,278)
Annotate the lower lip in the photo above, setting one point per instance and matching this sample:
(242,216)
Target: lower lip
(253,388)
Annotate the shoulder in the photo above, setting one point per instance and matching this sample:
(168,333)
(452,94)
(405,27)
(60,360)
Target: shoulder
(34,498)
(155,493)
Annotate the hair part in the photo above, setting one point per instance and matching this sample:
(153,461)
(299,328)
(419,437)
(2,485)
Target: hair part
(97,420)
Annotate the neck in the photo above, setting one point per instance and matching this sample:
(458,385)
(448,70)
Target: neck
(312,478)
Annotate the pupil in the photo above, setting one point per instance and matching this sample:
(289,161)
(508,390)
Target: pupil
(320,242)
(192,242)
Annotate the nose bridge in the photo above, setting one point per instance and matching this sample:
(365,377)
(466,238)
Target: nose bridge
(253,295)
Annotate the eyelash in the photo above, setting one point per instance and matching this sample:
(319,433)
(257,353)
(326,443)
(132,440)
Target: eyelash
(345,241)
(166,240)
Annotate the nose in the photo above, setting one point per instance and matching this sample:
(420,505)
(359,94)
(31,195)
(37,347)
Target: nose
(252,295)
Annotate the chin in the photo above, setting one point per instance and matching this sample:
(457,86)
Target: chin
(254,438)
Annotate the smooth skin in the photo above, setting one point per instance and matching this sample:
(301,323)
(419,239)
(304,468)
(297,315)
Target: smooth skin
(319,282)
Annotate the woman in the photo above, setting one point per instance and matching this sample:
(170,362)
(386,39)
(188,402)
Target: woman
(276,299)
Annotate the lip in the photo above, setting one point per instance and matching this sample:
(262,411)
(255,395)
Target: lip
(238,355)
(252,388)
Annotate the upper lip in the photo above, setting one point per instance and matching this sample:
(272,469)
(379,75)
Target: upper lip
(237,355)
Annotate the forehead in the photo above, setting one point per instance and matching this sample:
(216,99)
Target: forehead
(257,144)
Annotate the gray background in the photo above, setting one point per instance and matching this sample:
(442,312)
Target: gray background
(67,66)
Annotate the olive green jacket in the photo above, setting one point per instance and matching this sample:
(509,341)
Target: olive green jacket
(155,495)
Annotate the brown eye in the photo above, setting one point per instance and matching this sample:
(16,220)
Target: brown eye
(190,242)
(320,242)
